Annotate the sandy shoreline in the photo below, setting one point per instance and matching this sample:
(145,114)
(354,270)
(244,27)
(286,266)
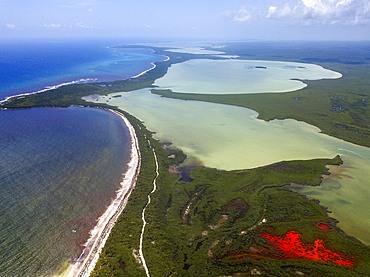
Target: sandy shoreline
(79,81)
(86,262)
(153,67)
(48,88)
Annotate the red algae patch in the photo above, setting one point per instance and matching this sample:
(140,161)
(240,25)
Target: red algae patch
(292,247)
(323,226)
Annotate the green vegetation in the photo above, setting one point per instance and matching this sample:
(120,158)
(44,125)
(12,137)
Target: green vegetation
(70,95)
(66,96)
(339,107)
(213,225)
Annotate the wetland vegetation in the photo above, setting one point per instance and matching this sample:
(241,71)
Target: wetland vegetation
(217,224)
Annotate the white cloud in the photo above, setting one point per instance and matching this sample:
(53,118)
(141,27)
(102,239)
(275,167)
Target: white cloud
(242,15)
(344,3)
(324,11)
(272,10)
(324,7)
(283,11)
(10,25)
(52,25)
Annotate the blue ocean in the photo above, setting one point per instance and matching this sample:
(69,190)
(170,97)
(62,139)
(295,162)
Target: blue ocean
(59,168)
(33,65)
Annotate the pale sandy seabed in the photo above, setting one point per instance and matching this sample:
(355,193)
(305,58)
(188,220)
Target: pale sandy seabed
(240,76)
(212,49)
(228,137)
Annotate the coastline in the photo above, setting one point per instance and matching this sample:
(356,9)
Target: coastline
(97,237)
(153,66)
(79,81)
(155,244)
(86,262)
(47,88)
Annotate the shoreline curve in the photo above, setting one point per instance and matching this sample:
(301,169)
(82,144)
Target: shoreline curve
(78,81)
(85,263)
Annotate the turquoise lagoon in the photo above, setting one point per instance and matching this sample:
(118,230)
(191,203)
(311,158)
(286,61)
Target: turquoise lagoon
(228,137)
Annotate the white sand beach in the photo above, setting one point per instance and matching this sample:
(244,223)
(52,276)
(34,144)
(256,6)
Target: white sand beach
(85,264)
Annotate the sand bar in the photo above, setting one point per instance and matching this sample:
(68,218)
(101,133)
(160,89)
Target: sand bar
(85,264)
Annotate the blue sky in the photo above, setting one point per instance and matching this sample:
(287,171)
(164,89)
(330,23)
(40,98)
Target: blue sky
(191,19)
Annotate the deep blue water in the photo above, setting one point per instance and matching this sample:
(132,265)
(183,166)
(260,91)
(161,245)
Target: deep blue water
(32,66)
(59,168)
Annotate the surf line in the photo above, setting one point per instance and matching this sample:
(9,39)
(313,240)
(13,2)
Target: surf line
(141,253)
(85,264)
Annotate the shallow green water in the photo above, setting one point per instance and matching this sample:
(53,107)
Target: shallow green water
(232,76)
(229,137)
(346,193)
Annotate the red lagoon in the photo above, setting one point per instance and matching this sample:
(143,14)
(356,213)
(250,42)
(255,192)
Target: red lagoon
(323,226)
(292,247)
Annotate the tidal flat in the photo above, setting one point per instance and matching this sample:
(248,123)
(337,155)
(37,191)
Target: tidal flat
(227,137)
